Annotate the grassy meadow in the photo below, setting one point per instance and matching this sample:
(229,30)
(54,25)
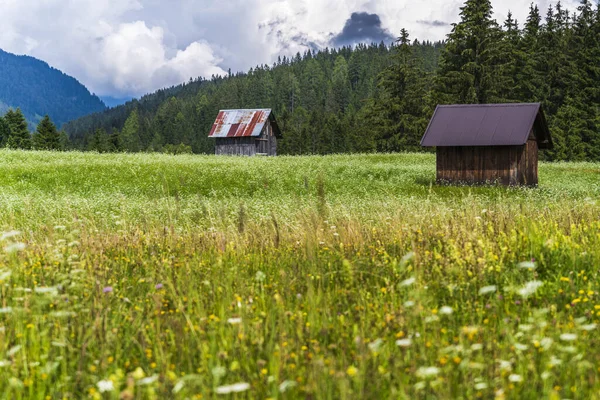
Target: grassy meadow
(342,277)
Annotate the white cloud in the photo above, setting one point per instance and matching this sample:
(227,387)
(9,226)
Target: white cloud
(131,47)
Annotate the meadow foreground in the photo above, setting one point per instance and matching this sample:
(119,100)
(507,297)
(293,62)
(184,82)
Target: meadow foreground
(342,277)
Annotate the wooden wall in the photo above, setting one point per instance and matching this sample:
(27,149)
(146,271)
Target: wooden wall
(243,146)
(266,144)
(506,165)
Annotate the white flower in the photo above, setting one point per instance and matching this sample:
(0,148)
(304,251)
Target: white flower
(286,385)
(505,365)
(4,275)
(408,282)
(375,345)
(487,290)
(568,337)
(521,347)
(148,381)
(9,235)
(546,343)
(481,386)
(409,304)
(6,310)
(4,363)
(427,372)
(234,321)
(589,327)
(106,386)
(260,276)
(235,388)
(515,378)
(527,265)
(530,288)
(446,310)
(15,247)
(404,342)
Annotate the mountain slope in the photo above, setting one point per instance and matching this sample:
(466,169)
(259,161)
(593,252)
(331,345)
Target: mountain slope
(39,89)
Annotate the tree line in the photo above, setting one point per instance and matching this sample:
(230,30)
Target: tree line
(380,98)
(15,134)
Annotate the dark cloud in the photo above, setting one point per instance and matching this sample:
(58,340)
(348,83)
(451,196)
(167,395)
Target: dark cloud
(435,23)
(360,28)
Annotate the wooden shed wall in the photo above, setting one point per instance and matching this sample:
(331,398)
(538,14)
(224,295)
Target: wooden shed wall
(266,144)
(241,146)
(507,165)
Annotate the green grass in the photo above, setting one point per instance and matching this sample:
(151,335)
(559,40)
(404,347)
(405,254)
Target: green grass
(337,277)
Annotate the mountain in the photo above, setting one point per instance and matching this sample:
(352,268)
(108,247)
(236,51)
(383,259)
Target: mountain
(112,102)
(39,89)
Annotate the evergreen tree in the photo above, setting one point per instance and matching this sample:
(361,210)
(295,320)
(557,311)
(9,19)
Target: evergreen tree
(47,136)
(398,113)
(130,136)
(100,142)
(4,132)
(469,63)
(19,137)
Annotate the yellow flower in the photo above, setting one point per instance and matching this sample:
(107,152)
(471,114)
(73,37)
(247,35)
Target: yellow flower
(352,371)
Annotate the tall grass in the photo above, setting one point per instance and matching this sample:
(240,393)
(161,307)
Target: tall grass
(152,276)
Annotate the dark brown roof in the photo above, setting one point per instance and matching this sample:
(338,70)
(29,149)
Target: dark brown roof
(487,125)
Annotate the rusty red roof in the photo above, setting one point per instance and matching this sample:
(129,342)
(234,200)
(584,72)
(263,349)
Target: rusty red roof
(242,123)
(487,125)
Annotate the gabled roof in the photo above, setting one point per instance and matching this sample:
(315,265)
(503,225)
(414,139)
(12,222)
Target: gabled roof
(243,123)
(487,125)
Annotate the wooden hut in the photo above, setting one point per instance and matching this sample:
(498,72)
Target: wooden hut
(246,133)
(491,143)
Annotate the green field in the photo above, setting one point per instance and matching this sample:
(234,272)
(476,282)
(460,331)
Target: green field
(342,277)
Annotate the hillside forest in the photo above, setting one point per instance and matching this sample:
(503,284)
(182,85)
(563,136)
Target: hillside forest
(38,90)
(380,98)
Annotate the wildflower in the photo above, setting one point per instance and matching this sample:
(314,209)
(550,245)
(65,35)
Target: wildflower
(234,321)
(404,342)
(515,378)
(148,381)
(107,289)
(15,247)
(527,265)
(9,235)
(260,276)
(427,372)
(408,282)
(13,350)
(530,288)
(568,337)
(106,386)
(6,310)
(352,371)
(235,388)
(589,327)
(159,286)
(446,310)
(375,345)
(286,385)
(487,290)
(481,386)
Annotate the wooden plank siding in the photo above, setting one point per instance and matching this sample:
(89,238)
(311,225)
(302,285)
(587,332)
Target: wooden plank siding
(506,165)
(265,144)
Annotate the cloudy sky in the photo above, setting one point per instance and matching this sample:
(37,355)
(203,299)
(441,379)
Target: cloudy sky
(124,48)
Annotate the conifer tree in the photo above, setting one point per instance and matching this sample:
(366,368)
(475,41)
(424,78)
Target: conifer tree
(399,113)
(4,132)
(469,62)
(19,137)
(46,136)
(100,142)
(130,136)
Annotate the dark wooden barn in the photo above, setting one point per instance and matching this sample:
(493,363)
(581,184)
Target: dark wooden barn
(491,143)
(246,133)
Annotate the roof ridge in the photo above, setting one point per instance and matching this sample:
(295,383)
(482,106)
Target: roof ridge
(488,105)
